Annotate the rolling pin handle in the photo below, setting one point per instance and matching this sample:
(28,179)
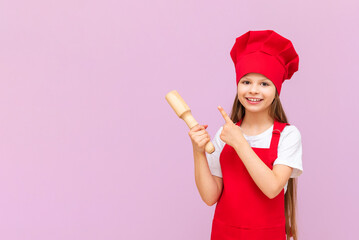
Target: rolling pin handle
(209,148)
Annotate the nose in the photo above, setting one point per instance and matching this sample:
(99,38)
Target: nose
(253,89)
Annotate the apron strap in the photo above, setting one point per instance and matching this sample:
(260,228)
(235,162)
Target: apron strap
(277,131)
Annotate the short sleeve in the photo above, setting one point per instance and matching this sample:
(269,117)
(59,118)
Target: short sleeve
(213,158)
(290,150)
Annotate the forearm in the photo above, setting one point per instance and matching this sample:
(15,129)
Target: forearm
(205,182)
(261,174)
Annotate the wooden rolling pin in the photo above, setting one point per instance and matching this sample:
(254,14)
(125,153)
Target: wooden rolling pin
(183,111)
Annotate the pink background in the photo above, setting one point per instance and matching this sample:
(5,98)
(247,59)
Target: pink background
(90,149)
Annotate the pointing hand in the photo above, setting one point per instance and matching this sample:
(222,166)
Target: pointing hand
(231,133)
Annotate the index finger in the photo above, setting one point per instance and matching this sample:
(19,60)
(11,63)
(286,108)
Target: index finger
(224,114)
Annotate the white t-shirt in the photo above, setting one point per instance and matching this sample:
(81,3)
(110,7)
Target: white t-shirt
(289,149)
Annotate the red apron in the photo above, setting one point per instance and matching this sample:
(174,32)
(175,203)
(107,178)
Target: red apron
(243,211)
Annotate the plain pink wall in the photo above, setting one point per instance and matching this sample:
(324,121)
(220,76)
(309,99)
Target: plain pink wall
(89,147)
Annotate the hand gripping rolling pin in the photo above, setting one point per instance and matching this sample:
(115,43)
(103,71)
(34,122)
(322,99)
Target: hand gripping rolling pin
(183,111)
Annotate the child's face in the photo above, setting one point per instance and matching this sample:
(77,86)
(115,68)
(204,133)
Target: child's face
(256,85)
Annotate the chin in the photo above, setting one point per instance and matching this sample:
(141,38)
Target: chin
(254,110)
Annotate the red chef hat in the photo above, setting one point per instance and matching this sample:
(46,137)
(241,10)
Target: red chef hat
(265,52)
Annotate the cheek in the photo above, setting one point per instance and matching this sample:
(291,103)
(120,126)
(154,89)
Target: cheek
(270,93)
(240,91)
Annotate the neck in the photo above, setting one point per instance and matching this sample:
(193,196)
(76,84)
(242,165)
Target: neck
(256,120)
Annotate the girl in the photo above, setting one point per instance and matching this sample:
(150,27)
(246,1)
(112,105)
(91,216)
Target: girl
(258,154)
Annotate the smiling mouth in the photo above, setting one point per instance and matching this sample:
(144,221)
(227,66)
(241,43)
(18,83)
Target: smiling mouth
(256,100)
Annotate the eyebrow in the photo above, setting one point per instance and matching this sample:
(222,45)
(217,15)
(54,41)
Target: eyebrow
(264,79)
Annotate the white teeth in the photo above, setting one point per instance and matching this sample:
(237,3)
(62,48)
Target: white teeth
(253,100)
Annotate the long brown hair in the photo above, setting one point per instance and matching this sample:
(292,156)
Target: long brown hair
(290,197)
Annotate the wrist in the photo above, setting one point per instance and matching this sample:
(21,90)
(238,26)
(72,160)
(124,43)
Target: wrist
(198,152)
(241,141)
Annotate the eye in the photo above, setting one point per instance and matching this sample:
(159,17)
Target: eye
(245,81)
(265,84)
